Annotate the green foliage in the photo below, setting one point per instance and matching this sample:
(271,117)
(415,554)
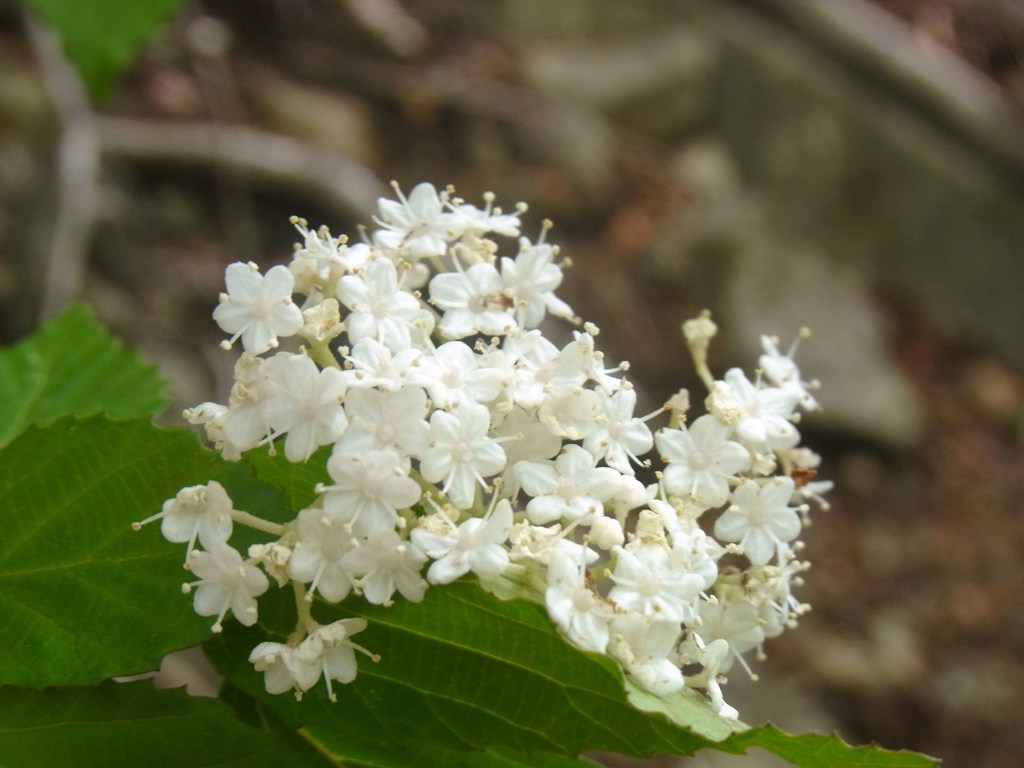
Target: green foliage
(102,36)
(465,674)
(127,725)
(83,596)
(465,678)
(73,366)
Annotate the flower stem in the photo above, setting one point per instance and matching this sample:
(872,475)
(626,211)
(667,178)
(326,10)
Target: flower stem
(274,529)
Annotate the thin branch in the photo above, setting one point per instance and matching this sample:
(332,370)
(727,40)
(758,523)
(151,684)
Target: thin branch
(78,170)
(266,158)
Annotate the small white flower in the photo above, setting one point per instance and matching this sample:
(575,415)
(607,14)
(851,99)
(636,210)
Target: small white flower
(283,668)
(765,413)
(258,308)
(459,375)
(199,511)
(369,488)
(620,438)
(473,302)
(336,651)
(384,563)
(737,624)
(571,488)
(479,222)
(381,310)
(760,519)
(530,280)
(226,583)
(701,461)
(327,651)
(646,581)
(477,545)
(782,371)
(571,412)
(317,556)
(574,606)
(460,453)
(305,402)
(371,364)
(387,420)
(417,227)
(643,645)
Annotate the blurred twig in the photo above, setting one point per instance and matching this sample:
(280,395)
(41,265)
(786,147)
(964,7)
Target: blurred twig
(265,157)
(58,278)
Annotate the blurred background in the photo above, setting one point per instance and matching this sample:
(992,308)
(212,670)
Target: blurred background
(856,167)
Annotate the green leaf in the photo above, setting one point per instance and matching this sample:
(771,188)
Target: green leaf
(298,481)
(101,37)
(73,366)
(468,675)
(129,724)
(83,597)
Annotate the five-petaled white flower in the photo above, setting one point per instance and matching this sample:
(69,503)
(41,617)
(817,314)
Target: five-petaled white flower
(226,583)
(460,453)
(760,519)
(199,511)
(477,545)
(701,462)
(258,308)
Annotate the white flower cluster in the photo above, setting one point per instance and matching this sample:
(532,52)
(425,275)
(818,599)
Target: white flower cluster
(464,441)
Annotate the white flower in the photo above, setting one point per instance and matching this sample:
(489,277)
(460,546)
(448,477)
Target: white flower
(620,438)
(460,453)
(477,545)
(387,420)
(371,364)
(737,624)
(765,413)
(491,219)
(258,308)
(336,652)
(643,645)
(574,606)
(284,668)
(571,412)
(531,440)
(701,461)
(459,375)
(381,310)
(571,488)
(541,367)
(385,562)
(712,656)
(782,371)
(316,557)
(199,511)
(647,581)
(327,651)
(369,488)
(417,226)
(226,583)
(305,402)
(760,519)
(530,280)
(322,257)
(472,301)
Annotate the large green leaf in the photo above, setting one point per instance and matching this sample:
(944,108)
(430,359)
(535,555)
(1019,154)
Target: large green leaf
(132,724)
(102,36)
(82,596)
(73,366)
(468,673)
